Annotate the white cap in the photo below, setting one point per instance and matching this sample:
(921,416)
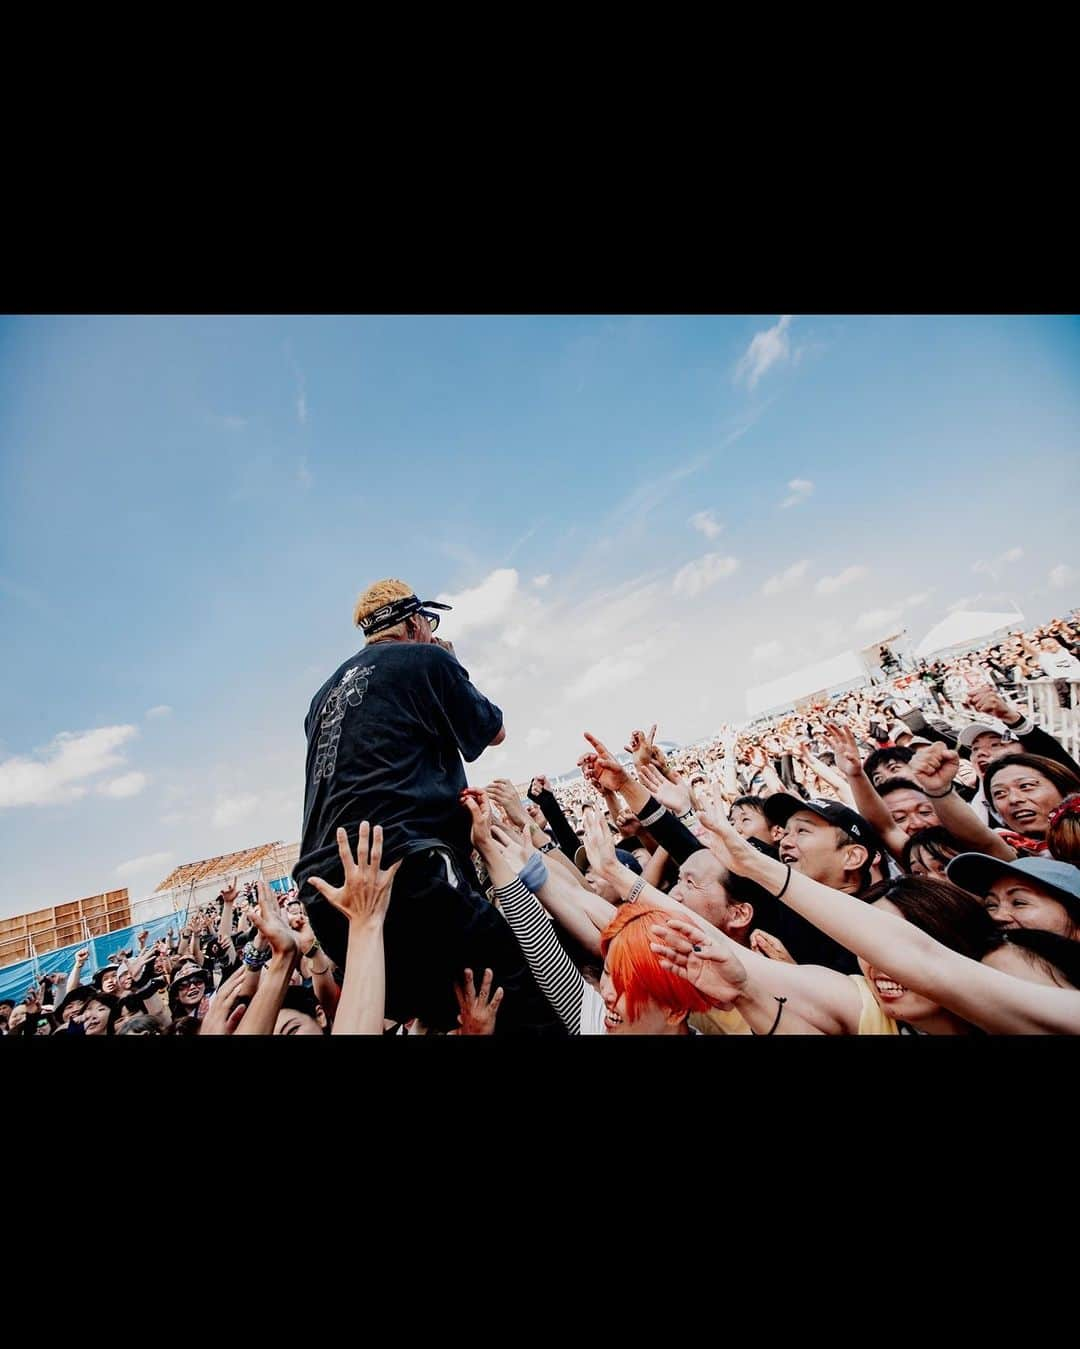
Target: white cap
(971,733)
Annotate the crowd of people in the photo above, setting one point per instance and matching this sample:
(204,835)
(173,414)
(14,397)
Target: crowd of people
(898,859)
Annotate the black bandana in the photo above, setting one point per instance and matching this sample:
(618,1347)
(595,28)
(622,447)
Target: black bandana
(396,612)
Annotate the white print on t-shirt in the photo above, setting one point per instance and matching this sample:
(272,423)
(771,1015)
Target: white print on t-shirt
(349,693)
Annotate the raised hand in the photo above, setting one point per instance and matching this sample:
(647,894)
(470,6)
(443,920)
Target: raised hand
(272,927)
(82,956)
(628,824)
(602,768)
(934,767)
(517,845)
(713,969)
(539,784)
(502,791)
(365,896)
(990,703)
(599,845)
(305,933)
(646,751)
(477,1011)
(228,895)
(670,791)
(765,944)
(728,847)
(845,750)
(225,1012)
(475,801)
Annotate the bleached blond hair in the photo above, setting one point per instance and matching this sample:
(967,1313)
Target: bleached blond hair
(374,597)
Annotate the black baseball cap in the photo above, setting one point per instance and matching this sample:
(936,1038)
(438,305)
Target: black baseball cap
(780,808)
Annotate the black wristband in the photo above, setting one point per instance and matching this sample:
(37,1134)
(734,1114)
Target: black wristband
(779,1014)
(940,795)
(787,882)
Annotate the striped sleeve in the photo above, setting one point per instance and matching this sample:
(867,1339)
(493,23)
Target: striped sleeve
(559,979)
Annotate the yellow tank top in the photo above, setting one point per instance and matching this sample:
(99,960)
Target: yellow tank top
(872,1020)
(716,1022)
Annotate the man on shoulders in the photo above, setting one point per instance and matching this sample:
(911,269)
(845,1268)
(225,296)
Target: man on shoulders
(386,735)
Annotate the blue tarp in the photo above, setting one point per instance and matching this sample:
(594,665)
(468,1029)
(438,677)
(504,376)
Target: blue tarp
(16,979)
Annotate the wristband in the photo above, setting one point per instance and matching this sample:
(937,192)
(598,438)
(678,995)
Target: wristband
(254,959)
(636,889)
(533,875)
(687,815)
(779,1014)
(549,846)
(939,795)
(312,951)
(653,815)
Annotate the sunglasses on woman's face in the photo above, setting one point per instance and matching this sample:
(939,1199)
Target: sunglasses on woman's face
(189,982)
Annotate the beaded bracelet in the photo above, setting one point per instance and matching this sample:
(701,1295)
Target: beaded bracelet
(255,960)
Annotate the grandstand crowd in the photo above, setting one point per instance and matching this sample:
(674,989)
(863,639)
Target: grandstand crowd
(901,858)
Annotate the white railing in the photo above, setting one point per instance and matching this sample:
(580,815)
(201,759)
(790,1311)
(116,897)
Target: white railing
(1040,698)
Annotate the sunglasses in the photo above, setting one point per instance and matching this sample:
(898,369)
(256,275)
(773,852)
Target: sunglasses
(189,980)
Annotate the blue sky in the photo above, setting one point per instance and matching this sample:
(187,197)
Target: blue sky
(190,506)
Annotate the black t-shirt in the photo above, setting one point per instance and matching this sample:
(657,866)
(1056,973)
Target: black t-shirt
(386,734)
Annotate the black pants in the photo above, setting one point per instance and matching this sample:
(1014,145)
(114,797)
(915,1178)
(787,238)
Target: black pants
(439,924)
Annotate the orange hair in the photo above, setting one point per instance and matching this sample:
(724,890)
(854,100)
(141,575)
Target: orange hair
(634,968)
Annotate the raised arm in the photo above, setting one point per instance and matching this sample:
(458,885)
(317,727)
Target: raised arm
(540,792)
(261,1016)
(986,997)
(934,769)
(364,900)
(228,899)
(75,977)
(556,974)
(1034,739)
(867,802)
(827,1001)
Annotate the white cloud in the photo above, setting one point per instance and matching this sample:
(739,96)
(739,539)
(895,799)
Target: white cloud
(784,580)
(800,489)
(541,581)
(766,349)
(231,810)
(877,619)
(767,651)
(829,585)
(161,710)
(994,566)
(607,673)
(920,597)
(1060,576)
(154,861)
(58,774)
(303,473)
(705,572)
(705,522)
(484,604)
(539,735)
(301,408)
(129,784)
